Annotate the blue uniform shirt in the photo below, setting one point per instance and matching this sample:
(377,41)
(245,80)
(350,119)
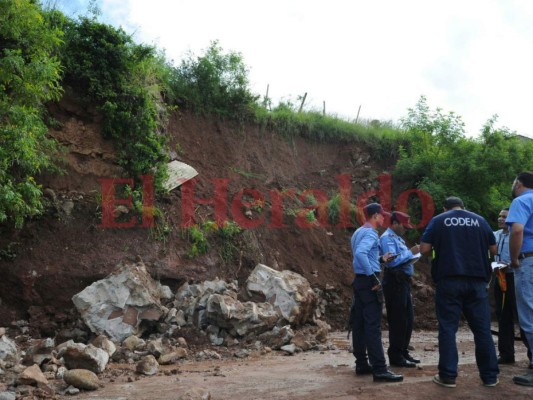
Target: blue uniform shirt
(502,242)
(391,243)
(461,240)
(521,211)
(365,249)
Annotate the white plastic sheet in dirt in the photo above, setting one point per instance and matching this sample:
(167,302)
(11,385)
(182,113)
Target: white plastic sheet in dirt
(178,174)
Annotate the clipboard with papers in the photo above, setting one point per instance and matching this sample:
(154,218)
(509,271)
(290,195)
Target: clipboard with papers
(414,258)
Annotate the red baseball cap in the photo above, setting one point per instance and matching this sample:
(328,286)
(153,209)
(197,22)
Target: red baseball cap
(402,218)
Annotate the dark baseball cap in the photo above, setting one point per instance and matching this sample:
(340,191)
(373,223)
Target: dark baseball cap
(402,218)
(375,208)
(452,202)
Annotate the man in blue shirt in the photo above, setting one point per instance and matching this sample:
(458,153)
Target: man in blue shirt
(504,295)
(367,298)
(397,290)
(520,221)
(461,271)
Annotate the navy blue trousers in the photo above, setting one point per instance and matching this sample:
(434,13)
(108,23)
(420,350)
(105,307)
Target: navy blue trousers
(399,305)
(469,296)
(366,324)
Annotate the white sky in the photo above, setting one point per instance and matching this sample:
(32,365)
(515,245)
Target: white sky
(473,57)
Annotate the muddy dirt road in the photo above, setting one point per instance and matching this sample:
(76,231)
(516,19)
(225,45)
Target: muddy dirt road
(315,375)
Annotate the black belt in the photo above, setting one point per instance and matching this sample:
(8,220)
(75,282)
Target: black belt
(525,255)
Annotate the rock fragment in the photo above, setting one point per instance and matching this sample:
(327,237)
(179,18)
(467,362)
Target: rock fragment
(148,366)
(81,379)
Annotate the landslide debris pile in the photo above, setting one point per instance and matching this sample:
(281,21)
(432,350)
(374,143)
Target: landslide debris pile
(130,319)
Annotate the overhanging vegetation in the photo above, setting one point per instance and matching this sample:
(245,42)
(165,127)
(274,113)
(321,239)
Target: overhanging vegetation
(134,87)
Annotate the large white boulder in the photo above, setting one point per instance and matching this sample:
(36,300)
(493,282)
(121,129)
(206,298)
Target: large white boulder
(290,293)
(116,305)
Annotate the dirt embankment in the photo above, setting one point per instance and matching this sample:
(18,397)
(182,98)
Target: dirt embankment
(62,252)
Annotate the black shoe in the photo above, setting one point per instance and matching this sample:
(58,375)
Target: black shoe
(403,364)
(446,382)
(409,357)
(524,380)
(366,370)
(388,376)
(504,360)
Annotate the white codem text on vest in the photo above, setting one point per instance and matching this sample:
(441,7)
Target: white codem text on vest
(461,222)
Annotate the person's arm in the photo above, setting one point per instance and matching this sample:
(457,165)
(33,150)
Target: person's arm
(425,241)
(386,248)
(425,248)
(515,243)
(364,246)
(394,246)
(493,249)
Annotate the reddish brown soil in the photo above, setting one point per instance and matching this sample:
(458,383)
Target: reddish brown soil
(58,255)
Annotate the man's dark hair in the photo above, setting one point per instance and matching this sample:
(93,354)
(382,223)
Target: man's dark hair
(526,178)
(453,201)
(505,209)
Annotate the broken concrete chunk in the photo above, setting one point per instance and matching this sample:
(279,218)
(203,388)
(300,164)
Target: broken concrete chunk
(40,352)
(191,300)
(80,356)
(164,292)
(277,337)
(289,292)
(242,318)
(289,349)
(117,305)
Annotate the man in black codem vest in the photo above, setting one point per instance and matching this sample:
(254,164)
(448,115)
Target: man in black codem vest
(461,271)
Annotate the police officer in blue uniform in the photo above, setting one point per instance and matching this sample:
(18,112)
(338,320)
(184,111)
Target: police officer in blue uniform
(397,289)
(461,271)
(368,298)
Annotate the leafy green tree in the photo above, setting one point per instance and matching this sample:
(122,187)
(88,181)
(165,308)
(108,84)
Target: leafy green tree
(123,78)
(29,77)
(442,161)
(215,82)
